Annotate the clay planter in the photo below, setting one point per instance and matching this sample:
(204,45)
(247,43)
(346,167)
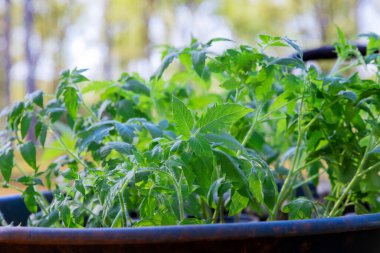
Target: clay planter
(357,233)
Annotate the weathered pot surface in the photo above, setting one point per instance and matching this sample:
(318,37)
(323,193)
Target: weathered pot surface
(357,233)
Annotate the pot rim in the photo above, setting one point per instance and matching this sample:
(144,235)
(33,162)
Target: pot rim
(187,233)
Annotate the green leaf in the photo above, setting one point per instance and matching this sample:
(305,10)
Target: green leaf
(6,163)
(25,124)
(95,133)
(200,146)
(125,132)
(300,208)
(293,44)
(220,117)
(269,188)
(255,186)
(230,166)
(79,187)
(198,59)
(134,85)
(28,152)
(37,97)
(43,134)
(30,199)
(183,118)
(214,192)
(70,97)
(226,140)
(70,174)
(237,204)
(121,147)
(349,95)
(165,63)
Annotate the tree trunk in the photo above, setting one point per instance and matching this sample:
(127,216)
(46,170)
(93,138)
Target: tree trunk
(7,52)
(30,55)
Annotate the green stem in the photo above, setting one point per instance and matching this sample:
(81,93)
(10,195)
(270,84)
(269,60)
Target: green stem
(369,169)
(88,109)
(250,130)
(66,148)
(352,182)
(336,66)
(308,180)
(217,209)
(289,178)
(123,210)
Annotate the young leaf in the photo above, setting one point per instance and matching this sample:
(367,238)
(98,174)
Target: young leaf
(6,163)
(165,63)
(200,146)
(70,97)
(28,152)
(301,208)
(220,117)
(183,118)
(199,59)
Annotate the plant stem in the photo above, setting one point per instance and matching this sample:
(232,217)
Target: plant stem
(250,130)
(352,182)
(288,180)
(123,210)
(217,209)
(66,148)
(88,109)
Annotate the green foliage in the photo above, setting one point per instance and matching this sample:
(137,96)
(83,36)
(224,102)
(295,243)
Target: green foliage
(225,134)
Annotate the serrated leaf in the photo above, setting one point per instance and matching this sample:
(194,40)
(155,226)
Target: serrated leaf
(237,204)
(154,130)
(183,118)
(136,86)
(294,45)
(300,208)
(255,186)
(95,133)
(70,97)
(225,140)
(200,146)
(220,117)
(165,63)
(125,132)
(199,59)
(79,187)
(230,166)
(121,147)
(28,152)
(349,95)
(6,163)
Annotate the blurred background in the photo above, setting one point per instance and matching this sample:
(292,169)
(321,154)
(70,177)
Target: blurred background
(40,38)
